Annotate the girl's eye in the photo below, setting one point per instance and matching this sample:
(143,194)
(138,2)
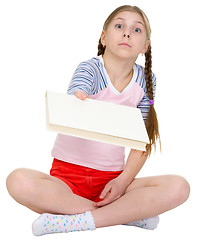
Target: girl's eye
(119,26)
(137,30)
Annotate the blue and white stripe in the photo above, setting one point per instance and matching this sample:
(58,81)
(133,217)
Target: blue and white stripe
(88,77)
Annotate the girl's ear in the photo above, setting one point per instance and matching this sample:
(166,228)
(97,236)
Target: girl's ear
(103,38)
(146,46)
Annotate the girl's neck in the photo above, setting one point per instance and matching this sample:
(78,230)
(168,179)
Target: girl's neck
(119,70)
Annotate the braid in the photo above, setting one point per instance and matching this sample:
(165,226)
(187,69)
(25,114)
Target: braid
(101,49)
(148,73)
(151,122)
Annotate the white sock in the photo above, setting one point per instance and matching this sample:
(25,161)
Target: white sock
(51,223)
(148,223)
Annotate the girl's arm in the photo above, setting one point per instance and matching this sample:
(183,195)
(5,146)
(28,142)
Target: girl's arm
(117,187)
(135,162)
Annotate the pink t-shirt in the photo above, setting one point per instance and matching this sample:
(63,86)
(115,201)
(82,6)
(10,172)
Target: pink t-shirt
(92,78)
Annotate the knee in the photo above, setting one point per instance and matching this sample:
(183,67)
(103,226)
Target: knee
(180,189)
(16,182)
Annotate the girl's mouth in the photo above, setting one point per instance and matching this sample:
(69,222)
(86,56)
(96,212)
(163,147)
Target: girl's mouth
(124,44)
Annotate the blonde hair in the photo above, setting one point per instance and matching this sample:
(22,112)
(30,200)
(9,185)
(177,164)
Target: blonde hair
(151,122)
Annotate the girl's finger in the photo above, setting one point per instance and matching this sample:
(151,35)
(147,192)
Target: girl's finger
(81,95)
(105,191)
(107,200)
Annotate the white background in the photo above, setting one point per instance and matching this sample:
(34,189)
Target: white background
(41,44)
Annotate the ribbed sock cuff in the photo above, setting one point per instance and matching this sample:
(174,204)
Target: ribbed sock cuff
(91,222)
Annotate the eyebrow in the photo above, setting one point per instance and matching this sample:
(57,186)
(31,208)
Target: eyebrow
(124,20)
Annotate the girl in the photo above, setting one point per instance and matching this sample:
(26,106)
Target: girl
(89,185)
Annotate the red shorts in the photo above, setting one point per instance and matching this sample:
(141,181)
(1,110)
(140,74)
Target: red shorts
(83,181)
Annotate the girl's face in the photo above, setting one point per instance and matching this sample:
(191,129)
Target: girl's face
(125,36)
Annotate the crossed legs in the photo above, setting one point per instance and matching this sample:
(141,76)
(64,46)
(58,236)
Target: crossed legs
(144,198)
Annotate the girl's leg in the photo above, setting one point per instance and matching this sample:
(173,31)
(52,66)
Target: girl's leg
(144,198)
(43,193)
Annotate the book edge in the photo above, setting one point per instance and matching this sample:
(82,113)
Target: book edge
(98,137)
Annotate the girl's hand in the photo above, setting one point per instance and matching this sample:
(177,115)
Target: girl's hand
(112,191)
(81,95)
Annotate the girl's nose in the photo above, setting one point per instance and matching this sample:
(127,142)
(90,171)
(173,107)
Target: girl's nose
(126,35)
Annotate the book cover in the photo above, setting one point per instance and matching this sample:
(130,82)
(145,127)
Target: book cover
(96,120)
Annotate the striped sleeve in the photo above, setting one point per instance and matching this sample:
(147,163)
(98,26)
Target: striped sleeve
(83,79)
(144,103)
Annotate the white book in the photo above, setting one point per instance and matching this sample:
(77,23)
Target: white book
(96,120)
